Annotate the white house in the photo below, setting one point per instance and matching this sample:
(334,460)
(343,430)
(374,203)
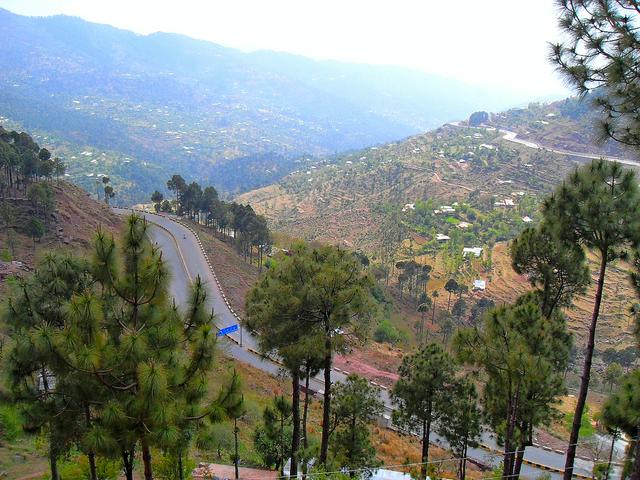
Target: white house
(476,251)
(441,237)
(479,285)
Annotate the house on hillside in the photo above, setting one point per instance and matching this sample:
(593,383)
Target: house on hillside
(441,237)
(479,285)
(476,251)
(507,202)
(463,225)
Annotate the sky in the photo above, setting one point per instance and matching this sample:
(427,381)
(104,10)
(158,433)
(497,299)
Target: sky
(502,43)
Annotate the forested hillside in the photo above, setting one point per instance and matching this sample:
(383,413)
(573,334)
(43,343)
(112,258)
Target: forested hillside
(40,212)
(139,108)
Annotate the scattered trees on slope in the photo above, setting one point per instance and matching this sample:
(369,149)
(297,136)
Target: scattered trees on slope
(22,162)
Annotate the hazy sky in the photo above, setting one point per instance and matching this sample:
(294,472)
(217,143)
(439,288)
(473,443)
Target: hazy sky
(498,42)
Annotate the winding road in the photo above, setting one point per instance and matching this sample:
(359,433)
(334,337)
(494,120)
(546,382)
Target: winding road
(186,259)
(510,136)
(513,137)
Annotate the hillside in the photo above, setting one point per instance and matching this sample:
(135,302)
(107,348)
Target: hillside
(570,124)
(353,198)
(430,196)
(71,227)
(139,108)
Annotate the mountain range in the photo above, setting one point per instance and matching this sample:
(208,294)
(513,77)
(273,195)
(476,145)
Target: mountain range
(141,107)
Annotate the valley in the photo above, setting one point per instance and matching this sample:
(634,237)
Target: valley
(105,99)
(242,261)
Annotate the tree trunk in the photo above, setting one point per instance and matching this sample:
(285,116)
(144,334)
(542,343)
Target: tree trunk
(53,462)
(433,312)
(236,457)
(146,459)
(295,437)
(519,459)
(180,468)
(93,471)
(127,462)
(426,432)
(326,408)
(507,463)
(305,440)
(464,459)
(635,472)
(613,444)
(586,372)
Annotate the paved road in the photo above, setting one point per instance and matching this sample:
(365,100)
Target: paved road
(182,252)
(513,137)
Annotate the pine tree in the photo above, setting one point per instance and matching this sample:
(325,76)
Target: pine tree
(355,405)
(278,308)
(554,266)
(597,208)
(460,422)
(152,358)
(419,394)
(273,438)
(600,57)
(38,380)
(451,287)
(156,198)
(330,297)
(523,354)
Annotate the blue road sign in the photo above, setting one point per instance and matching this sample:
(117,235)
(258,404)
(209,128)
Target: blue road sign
(226,330)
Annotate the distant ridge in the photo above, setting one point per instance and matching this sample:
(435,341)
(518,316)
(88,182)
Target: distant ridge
(203,110)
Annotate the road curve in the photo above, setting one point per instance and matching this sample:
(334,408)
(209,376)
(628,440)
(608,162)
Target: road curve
(182,251)
(513,137)
(510,136)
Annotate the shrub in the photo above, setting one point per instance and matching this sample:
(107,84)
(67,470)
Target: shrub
(386,332)
(10,423)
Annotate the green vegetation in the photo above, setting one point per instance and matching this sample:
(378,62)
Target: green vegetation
(312,300)
(355,405)
(460,421)
(586,428)
(386,332)
(100,358)
(237,222)
(621,413)
(597,208)
(420,394)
